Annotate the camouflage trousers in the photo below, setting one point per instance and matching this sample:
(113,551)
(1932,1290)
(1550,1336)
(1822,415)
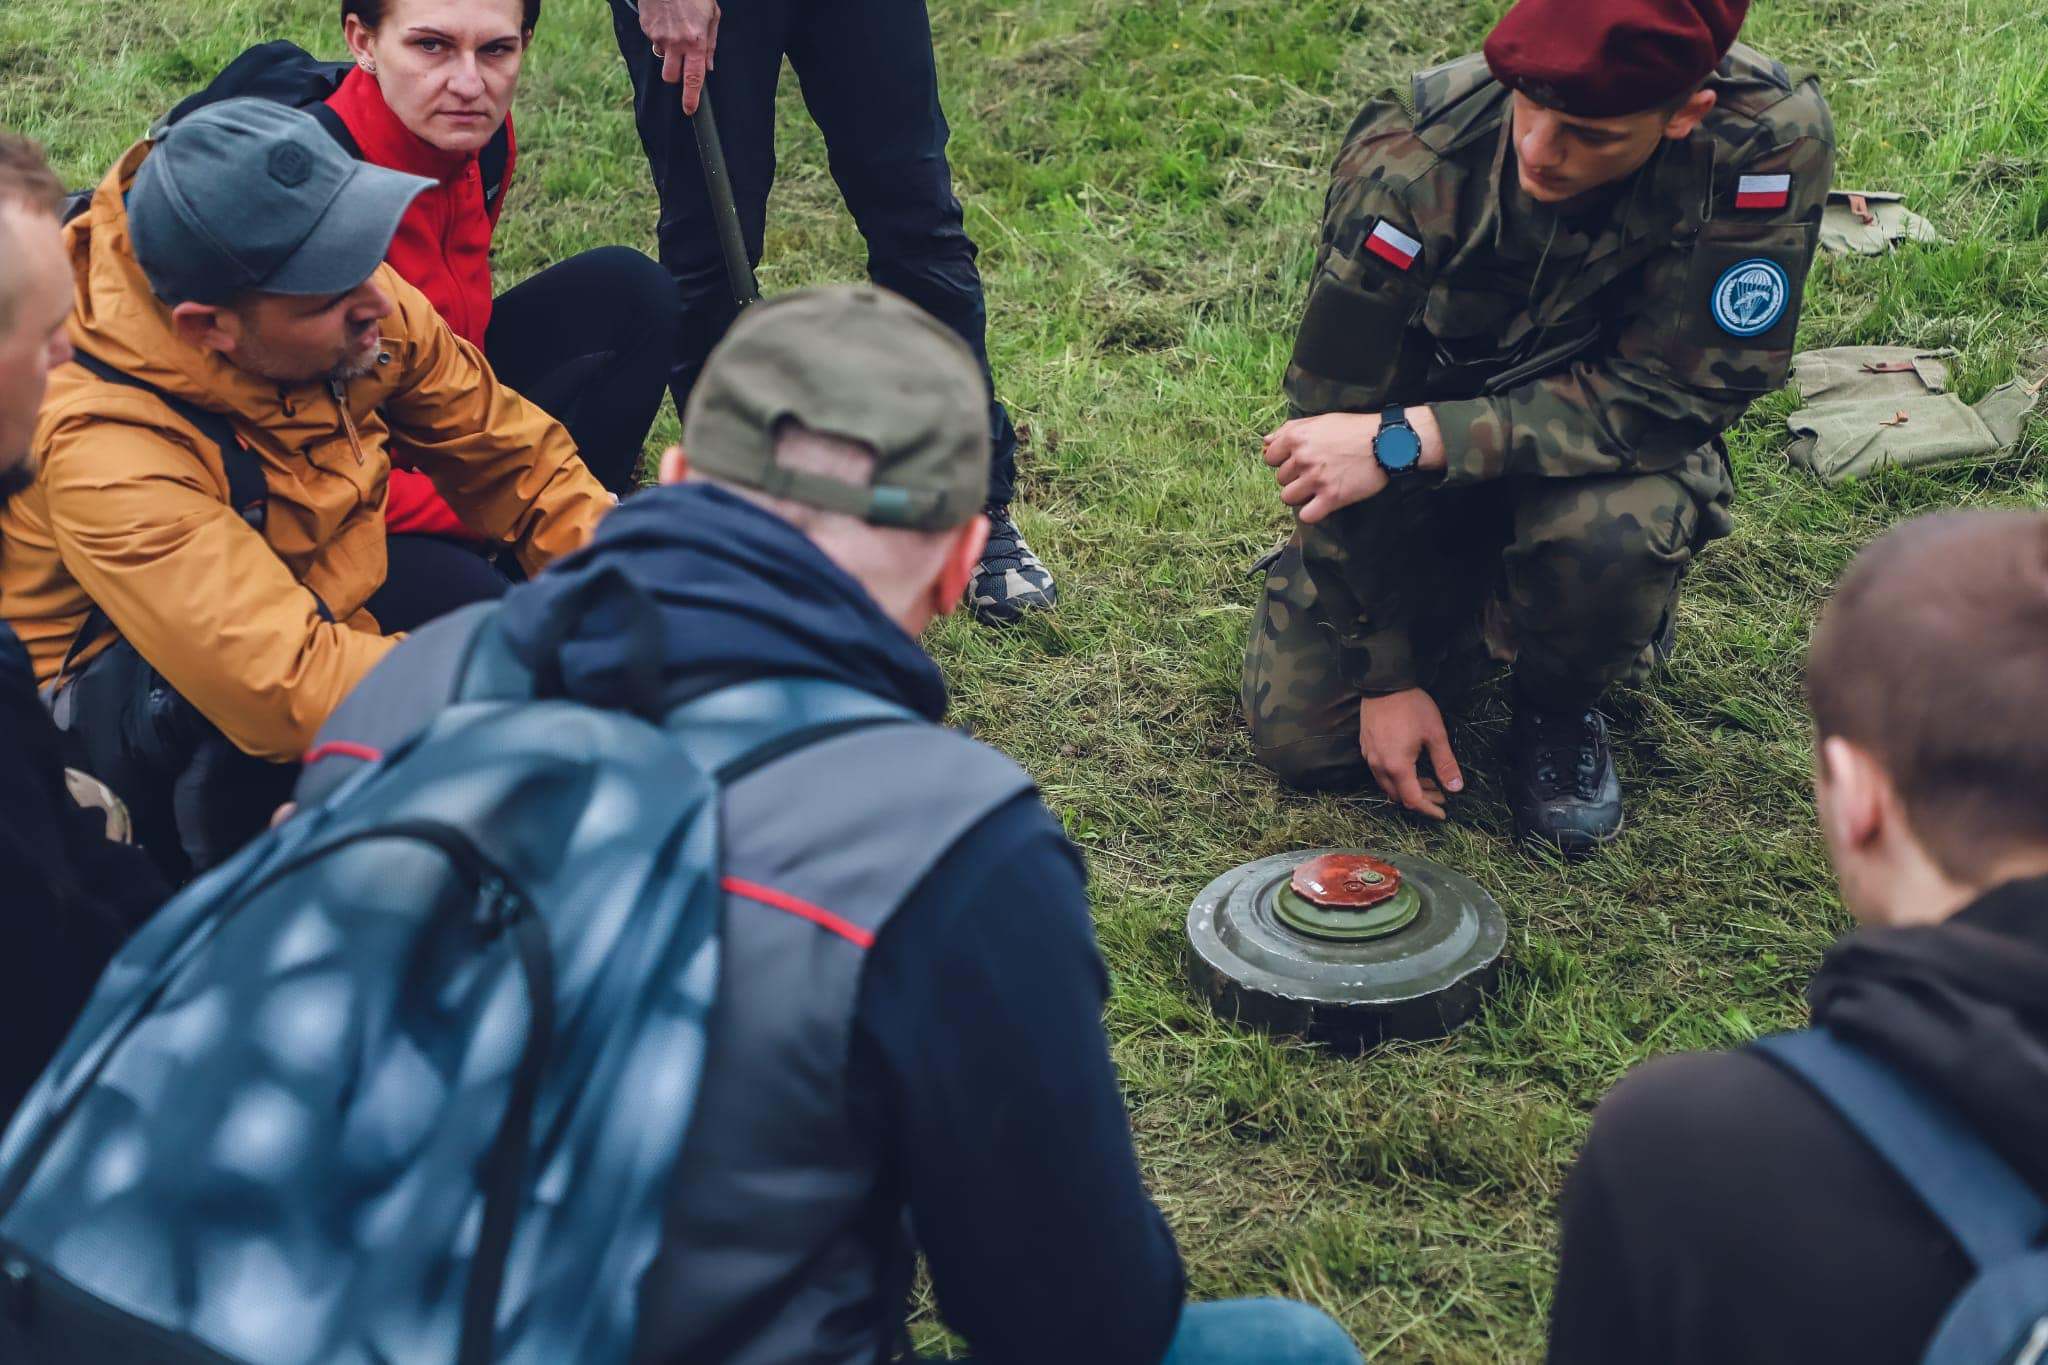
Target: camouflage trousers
(1573,580)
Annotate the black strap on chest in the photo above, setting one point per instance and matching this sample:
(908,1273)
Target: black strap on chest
(492,162)
(324,115)
(248,493)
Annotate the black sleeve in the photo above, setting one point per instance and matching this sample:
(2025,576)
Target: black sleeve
(71,897)
(1720,1211)
(981,1025)
(1593,1314)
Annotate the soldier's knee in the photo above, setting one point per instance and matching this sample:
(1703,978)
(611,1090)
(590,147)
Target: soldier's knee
(1310,746)
(1605,531)
(1315,764)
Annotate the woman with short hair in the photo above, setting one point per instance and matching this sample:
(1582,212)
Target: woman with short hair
(588,339)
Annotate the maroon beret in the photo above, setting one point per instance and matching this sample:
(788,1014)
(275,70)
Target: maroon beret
(1607,58)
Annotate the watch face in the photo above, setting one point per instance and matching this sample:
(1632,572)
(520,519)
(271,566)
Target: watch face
(1397,448)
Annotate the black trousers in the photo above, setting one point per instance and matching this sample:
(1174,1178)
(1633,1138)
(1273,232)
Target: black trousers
(870,84)
(195,799)
(589,339)
(192,796)
(68,897)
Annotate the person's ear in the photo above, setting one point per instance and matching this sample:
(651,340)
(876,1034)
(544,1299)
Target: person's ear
(1856,798)
(359,37)
(1680,125)
(207,327)
(949,590)
(674,466)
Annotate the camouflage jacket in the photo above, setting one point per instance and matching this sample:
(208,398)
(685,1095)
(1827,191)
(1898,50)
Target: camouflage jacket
(1556,345)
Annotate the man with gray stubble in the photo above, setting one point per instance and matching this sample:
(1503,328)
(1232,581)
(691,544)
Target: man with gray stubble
(199,574)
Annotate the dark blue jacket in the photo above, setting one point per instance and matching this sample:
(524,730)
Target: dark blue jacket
(979,1063)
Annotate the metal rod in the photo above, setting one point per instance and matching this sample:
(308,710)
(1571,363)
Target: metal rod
(739,270)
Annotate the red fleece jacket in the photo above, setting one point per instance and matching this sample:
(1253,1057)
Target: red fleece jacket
(442,248)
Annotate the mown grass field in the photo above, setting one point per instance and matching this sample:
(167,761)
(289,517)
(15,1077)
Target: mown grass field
(1144,180)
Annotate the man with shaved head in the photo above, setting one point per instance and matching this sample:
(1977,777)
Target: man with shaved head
(1722,1209)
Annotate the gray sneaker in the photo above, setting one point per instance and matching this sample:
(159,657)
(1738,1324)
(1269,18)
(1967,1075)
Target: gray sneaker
(1010,580)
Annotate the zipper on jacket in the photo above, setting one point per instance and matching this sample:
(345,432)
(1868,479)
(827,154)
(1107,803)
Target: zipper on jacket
(355,442)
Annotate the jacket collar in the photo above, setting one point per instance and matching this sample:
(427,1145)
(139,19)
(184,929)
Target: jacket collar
(1960,1006)
(686,588)
(2017,909)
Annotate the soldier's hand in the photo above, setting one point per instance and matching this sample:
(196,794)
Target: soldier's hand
(685,37)
(1325,463)
(1394,732)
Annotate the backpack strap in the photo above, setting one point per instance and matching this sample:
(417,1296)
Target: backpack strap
(460,657)
(739,728)
(464,657)
(324,115)
(1992,1213)
(491,164)
(248,492)
(491,671)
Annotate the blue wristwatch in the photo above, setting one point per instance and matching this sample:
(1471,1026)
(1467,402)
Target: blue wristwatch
(1397,447)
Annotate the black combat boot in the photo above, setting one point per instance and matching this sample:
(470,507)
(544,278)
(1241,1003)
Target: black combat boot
(1010,579)
(1562,786)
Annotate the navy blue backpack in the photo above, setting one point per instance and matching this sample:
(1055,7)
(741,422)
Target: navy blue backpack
(406,1079)
(2001,1317)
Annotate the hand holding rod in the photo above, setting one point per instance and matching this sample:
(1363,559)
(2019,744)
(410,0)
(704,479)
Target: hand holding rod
(739,270)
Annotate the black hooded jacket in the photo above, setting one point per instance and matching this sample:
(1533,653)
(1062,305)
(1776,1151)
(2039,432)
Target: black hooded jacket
(71,897)
(984,993)
(1722,1212)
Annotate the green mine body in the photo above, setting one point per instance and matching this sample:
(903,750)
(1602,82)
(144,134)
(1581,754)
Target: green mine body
(1283,951)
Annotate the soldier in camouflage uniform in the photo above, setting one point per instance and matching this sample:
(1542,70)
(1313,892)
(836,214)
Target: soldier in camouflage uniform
(1568,265)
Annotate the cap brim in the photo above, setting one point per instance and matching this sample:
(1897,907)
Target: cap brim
(352,238)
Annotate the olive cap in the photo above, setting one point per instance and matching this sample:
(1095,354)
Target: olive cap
(861,364)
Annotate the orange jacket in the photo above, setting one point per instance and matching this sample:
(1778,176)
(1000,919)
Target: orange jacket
(131,508)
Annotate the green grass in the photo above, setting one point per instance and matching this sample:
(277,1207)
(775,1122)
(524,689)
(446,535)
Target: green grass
(1144,180)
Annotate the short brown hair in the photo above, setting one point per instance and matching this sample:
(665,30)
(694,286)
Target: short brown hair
(26,183)
(371,13)
(1933,658)
(26,178)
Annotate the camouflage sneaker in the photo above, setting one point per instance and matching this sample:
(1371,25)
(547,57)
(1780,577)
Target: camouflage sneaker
(1010,580)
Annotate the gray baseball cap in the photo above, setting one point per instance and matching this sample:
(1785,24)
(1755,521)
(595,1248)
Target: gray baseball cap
(249,194)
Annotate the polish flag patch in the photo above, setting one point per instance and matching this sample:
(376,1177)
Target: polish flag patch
(1392,245)
(1763,191)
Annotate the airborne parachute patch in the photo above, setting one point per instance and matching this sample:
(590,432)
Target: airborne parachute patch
(1751,296)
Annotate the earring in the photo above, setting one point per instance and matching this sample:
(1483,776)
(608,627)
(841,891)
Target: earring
(369,67)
